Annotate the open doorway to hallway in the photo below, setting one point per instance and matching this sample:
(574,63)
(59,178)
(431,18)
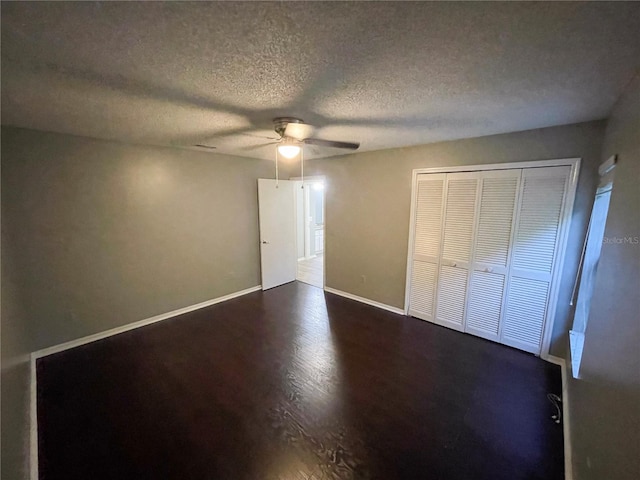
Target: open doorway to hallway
(310,224)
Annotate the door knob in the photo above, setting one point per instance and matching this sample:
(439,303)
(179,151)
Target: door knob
(264,242)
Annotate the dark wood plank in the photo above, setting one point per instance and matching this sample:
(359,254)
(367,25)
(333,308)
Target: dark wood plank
(294,383)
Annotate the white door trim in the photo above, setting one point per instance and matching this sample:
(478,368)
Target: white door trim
(567,210)
(559,162)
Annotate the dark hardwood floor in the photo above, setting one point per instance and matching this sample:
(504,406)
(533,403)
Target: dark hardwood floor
(295,383)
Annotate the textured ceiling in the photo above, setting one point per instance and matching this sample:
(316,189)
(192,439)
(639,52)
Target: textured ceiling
(383,74)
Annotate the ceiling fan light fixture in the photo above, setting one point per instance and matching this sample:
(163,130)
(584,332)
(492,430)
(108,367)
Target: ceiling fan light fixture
(288,148)
(288,151)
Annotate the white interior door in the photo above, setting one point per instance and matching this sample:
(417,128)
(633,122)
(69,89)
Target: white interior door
(278,256)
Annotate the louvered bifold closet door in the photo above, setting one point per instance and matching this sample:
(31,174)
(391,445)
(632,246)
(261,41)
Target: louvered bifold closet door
(535,248)
(457,244)
(498,199)
(427,241)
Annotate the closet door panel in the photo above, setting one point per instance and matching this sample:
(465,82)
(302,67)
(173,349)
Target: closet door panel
(525,313)
(457,246)
(459,217)
(452,294)
(539,219)
(423,289)
(428,229)
(534,256)
(498,199)
(427,244)
(485,304)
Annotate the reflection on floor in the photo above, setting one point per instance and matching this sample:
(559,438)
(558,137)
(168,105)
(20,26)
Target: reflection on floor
(295,383)
(310,271)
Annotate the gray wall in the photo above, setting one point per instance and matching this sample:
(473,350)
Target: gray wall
(605,402)
(368,197)
(15,371)
(110,233)
(97,234)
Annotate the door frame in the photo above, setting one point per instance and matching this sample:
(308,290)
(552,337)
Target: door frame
(565,224)
(316,179)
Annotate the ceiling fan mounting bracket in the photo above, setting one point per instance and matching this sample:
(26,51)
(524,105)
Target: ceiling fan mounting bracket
(280,124)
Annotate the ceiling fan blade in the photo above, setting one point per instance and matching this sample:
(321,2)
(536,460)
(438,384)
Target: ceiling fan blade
(214,137)
(254,135)
(255,147)
(330,143)
(210,136)
(299,131)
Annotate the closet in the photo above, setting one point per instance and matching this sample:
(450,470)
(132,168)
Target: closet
(486,248)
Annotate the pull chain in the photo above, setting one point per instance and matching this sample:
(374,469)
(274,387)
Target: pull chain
(302,165)
(277,167)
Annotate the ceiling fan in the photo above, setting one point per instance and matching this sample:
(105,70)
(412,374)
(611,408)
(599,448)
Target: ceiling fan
(294,133)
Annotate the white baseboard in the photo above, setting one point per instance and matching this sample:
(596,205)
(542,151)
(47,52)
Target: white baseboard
(13,362)
(555,360)
(33,388)
(566,430)
(373,303)
(140,323)
(33,420)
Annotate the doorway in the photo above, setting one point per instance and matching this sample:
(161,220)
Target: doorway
(310,230)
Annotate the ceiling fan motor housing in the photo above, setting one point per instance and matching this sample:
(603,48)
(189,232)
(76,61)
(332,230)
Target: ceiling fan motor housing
(280,124)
